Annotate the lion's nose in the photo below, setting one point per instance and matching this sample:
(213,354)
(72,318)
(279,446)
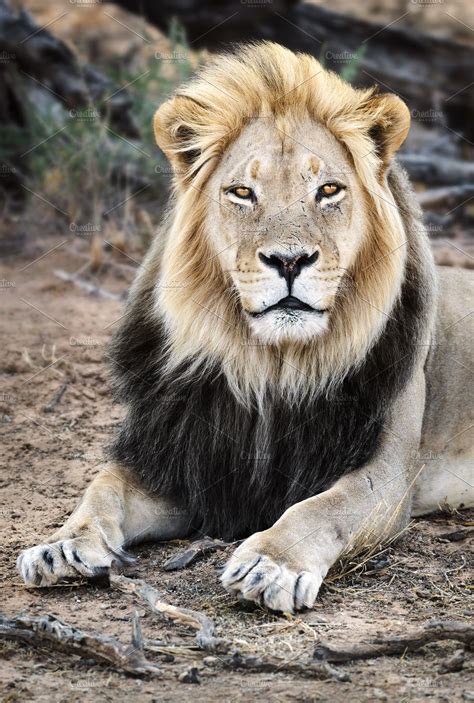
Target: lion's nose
(289,267)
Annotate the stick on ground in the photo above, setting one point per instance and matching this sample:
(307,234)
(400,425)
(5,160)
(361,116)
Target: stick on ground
(86,286)
(56,399)
(46,630)
(191,618)
(206,640)
(195,551)
(309,669)
(397,644)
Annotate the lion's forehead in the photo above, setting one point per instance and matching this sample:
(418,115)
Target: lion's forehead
(271,153)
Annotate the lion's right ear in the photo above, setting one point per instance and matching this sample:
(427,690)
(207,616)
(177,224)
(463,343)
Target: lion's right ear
(389,123)
(175,125)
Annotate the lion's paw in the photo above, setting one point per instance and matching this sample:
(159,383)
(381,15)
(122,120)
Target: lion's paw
(47,564)
(256,577)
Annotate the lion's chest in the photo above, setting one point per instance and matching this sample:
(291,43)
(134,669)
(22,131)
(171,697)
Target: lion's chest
(238,470)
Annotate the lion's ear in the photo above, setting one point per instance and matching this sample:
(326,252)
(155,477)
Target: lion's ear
(389,124)
(175,133)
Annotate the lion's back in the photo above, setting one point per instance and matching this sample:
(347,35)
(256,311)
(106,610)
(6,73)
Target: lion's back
(449,410)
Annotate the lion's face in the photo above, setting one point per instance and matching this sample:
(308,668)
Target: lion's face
(282,221)
(284,230)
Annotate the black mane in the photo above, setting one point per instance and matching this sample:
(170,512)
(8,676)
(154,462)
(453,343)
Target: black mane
(237,470)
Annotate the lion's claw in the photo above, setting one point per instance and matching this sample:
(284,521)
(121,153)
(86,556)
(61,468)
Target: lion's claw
(46,564)
(257,578)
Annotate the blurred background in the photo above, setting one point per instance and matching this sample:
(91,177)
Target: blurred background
(80,80)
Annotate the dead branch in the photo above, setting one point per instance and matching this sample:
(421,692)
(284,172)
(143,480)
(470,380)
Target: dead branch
(397,644)
(452,196)
(429,73)
(46,630)
(434,170)
(457,535)
(206,640)
(195,551)
(310,669)
(86,286)
(190,618)
(44,59)
(453,663)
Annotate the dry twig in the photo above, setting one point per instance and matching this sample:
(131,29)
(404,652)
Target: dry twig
(397,644)
(206,640)
(310,669)
(195,551)
(84,285)
(56,399)
(191,618)
(50,631)
(457,535)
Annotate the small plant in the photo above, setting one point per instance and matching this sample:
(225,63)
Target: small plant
(349,72)
(78,163)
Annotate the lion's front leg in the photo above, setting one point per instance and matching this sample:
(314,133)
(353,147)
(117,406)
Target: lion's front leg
(113,513)
(283,567)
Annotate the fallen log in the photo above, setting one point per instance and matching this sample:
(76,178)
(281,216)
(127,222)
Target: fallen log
(391,645)
(47,630)
(448,197)
(430,73)
(43,58)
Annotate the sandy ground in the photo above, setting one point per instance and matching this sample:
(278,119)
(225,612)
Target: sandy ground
(55,334)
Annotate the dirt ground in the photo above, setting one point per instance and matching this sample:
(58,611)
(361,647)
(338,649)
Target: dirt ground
(53,334)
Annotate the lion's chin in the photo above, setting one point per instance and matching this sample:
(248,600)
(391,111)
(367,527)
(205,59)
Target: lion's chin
(283,327)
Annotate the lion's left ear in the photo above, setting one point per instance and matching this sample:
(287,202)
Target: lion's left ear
(175,132)
(389,124)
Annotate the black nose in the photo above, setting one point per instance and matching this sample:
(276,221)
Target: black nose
(289,267)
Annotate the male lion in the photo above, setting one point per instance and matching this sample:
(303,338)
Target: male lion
(292,362)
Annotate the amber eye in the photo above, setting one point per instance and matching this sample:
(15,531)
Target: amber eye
(330,189)
(242,192)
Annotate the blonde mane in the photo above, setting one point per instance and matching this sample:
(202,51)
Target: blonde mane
(195,297)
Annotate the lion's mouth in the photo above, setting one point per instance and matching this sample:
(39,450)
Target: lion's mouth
(289,303)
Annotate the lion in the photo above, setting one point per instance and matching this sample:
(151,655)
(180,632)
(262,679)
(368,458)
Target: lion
(292,362)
